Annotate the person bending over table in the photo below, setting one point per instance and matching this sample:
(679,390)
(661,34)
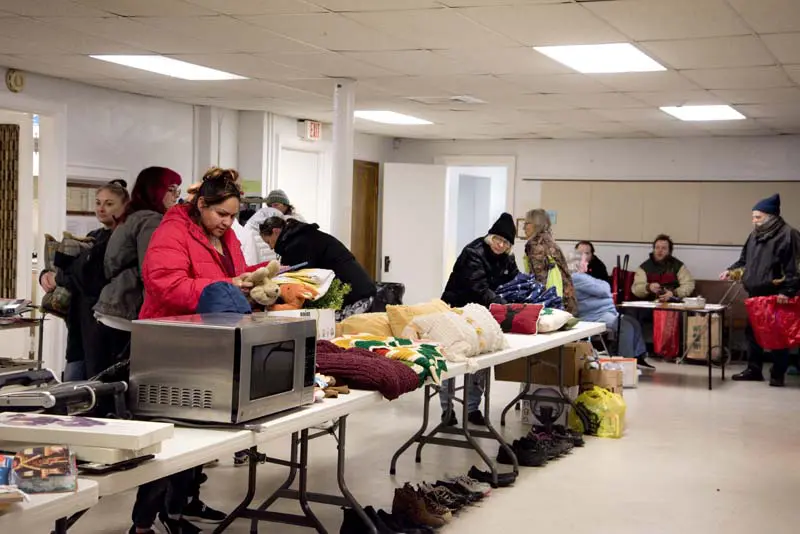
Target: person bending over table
(595,268)
(663,276)
(595,304)
(770,259)
(485,264)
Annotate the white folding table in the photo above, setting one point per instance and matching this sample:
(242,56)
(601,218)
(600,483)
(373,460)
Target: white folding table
(49,508)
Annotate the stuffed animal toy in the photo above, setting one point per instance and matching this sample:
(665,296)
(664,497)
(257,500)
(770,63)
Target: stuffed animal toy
(294,297)
(265,291)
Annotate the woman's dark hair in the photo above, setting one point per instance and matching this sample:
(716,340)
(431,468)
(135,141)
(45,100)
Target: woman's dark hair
(272,223)
(149,190)
(118,188)
(591,246)
(218,186)
(664,237)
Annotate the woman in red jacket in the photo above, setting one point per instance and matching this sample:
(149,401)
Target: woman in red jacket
(194,247)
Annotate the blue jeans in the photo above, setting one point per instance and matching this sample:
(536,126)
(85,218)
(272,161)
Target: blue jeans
(74,371)
(474,391)
(631,342)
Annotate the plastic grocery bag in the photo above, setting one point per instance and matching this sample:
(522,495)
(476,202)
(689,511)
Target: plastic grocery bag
(604,411)
(776,326)
(666,333)
(554,277)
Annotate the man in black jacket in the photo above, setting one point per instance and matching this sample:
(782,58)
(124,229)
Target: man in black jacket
(297,242)
(770,259)
(483,266)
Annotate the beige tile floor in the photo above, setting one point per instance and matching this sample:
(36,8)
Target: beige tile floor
(692,461)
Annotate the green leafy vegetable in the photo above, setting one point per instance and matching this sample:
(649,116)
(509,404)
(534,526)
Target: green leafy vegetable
(333,299)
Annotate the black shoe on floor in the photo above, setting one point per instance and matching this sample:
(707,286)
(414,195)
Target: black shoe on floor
(777,382)
(642,362)
(397,524)
(749,375)
(503,479)
(449,418)
(178,526)
(198,511)
(476,418)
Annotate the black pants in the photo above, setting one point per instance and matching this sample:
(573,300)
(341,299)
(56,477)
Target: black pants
(169,495)
(755,355)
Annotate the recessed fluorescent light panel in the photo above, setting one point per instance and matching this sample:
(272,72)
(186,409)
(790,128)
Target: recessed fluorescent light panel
(391,117)
(602,58)
(171,67)
(704,113)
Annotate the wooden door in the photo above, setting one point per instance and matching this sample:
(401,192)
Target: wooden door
(364,234)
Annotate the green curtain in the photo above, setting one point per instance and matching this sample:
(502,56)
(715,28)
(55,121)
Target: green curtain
(9,176)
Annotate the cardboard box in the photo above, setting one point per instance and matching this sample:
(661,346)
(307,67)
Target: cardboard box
(630,370)
(543,370)
(610,380)
(697,336)
(526,411)
(326,320)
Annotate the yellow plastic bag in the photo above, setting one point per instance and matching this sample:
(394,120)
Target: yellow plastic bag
(603,411)
(554,278)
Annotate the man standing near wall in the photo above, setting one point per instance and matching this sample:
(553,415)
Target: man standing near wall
(770,259)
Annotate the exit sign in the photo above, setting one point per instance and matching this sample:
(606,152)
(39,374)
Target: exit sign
(309,130)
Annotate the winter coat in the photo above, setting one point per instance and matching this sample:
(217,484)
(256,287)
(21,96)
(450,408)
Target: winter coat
(773,255)
(124,294)
(301,242)
(594,300)
(671,274)
(180,263)
(539,249)
(262,251)
(478,272)
(597,269)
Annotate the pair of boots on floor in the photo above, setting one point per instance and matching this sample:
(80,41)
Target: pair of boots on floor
(755,363)
(474,394)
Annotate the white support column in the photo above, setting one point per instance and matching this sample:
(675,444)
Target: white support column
(344,98)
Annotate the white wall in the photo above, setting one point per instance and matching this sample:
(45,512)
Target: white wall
(762,158)
(112,129)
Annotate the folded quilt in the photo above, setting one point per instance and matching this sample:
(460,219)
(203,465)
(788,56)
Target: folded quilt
(363,369)
(425,359)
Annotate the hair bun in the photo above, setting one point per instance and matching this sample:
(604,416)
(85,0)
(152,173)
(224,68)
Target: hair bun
(120,182)
(227,175)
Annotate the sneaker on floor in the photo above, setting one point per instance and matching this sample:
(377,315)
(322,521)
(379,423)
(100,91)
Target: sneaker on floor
(449,418)
(476,418)
(472,485)
(749,375)
(178,526)
(642,362)
(198,511)
(241,459)
(503,479)
(777,381)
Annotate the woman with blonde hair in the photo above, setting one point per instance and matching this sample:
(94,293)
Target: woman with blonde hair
(543,255)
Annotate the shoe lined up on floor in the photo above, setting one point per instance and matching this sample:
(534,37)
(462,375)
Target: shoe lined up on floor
(200,512)
(178,525)
(474,418)
(562,433)
(503,479)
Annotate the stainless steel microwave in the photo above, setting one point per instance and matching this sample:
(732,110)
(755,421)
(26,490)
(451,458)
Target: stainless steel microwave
(221,367)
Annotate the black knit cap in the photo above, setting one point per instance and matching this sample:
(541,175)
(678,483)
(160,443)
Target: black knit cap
(505,228)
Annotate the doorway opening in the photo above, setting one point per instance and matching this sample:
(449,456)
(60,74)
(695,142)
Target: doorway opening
(364,233)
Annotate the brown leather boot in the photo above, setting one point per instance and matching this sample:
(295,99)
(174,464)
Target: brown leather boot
(407,504)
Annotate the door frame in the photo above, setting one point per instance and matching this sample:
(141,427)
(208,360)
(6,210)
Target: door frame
(509,162)
(323,150)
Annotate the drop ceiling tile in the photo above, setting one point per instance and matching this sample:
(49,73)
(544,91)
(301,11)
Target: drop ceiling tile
(673,128)
(537,102)
(350,6)
(517,60)
(546,24)
(559,83)
(259,7)
(484,86)
(645,81)
(248,65)
(769,16)
(433,28)
(486,3)
(37,37)
(770,111)
(412,62)
(330,31)
(677,98)
(785,46)
(147,8)
(49,8)
(318,86)
(406,86)
(749,78)
(597,101)
(568,117)
(781,125)
(233,35)
(760,96)
(647,114)
(712,53)
(794,72)
(330,64)
(644,20)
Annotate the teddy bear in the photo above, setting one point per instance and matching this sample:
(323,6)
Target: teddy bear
(265,290)
(294,297)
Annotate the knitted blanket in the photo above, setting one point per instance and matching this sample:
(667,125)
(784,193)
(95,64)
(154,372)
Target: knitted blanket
(362,369)
(424,359)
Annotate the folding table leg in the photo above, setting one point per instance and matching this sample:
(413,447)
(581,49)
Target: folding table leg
(238,512)
(60,526)
(710,337)
(340,471)
(429,394)
(487,395)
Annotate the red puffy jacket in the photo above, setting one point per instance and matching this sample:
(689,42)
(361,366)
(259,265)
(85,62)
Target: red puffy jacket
(180,263)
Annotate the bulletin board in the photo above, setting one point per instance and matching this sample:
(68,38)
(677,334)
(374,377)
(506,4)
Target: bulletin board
(692,213)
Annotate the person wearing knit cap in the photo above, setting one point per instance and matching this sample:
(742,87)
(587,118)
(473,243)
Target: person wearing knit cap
(770,261)
(485,264)
(279,200)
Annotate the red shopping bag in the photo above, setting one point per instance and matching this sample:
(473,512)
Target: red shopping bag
(776,326)
(666,333)
(622,285)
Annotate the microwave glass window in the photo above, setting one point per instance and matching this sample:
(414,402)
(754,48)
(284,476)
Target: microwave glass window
(272,369)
